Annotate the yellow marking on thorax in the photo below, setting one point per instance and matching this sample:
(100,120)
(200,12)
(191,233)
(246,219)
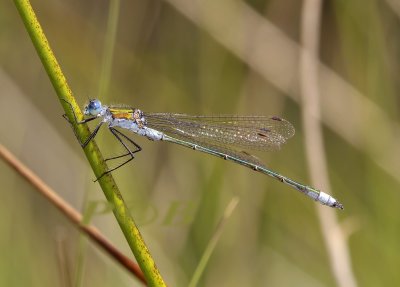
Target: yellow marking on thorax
(122,113)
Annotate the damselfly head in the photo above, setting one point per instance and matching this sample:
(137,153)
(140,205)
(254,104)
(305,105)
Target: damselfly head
(93,108)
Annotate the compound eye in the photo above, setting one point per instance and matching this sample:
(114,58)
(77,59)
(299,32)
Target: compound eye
(95,104)
(93,108)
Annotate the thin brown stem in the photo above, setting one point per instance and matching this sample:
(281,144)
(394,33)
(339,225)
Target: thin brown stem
(336,241)
(74,216)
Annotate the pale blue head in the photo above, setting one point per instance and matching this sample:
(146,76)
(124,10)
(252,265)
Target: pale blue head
(93,108)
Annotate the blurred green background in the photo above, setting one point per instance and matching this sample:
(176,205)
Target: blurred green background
(204,57)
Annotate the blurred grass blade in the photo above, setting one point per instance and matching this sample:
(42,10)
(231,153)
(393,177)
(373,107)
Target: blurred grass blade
(108,53)
(213,242)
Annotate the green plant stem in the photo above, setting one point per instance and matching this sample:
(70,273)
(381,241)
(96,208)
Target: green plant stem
(92,152)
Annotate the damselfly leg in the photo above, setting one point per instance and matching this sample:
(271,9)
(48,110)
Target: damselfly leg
(130,153)
(117,134)
(92,135)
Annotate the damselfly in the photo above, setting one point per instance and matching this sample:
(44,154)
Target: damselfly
(224,136)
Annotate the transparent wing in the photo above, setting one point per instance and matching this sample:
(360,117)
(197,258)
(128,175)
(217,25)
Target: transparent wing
(223,131)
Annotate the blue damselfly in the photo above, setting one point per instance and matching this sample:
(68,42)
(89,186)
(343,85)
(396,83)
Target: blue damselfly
(224,136)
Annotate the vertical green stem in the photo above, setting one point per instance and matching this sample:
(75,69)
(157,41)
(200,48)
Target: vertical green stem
(92,152)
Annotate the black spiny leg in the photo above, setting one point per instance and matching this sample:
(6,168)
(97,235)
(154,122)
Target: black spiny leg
(113,130)
(92,135)
(130,153)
